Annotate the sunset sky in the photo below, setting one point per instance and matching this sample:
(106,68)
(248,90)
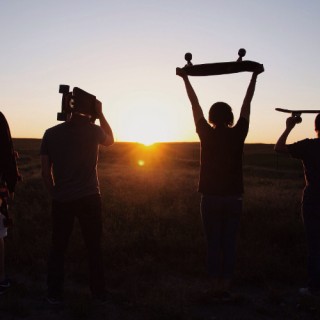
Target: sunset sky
(126,52)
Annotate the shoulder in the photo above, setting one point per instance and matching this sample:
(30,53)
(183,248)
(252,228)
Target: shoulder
(300,148)
(202,123)
(242,122)
(56,128)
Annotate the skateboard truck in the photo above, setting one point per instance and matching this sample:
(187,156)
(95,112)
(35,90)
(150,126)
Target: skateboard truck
(241,53)
(65,106)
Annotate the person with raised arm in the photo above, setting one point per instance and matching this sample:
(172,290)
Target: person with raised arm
(308,151)
(221,181)
(69,155)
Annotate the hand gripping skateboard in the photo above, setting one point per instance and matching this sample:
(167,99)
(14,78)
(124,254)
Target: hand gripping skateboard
(212,69)
(297,113)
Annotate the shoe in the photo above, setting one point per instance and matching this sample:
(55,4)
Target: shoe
(6,283)
(3,290)
(226,296)
(309,292)
(102,299)
(55,301)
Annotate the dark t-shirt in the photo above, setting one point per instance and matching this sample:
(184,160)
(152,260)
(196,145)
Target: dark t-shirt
(73,148)
(221,158)
(308,151)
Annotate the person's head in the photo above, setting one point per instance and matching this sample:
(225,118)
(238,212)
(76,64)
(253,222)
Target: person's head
(317,123)
(220,114)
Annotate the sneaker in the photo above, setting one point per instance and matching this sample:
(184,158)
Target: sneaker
(6,283)
(309,292)
(3,290)
(102,299)
(226,296)
(55,301)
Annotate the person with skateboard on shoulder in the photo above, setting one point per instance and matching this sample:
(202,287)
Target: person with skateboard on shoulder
(308,151)
(69,154)
(221,182)
(9,177)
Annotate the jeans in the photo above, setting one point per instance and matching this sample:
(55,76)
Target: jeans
(221,219)
(311,219)
(88,212)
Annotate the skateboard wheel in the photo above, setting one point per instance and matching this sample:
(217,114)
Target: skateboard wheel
(242,52)
(63,88)
(188,56)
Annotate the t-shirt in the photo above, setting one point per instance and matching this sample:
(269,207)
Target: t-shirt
(308,151)
(73,148)
(221,158)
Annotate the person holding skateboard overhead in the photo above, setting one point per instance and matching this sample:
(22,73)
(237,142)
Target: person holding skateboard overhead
(308,151)
(9,177)
(221,182)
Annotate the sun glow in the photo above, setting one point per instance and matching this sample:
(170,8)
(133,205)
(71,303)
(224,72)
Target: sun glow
(147,120)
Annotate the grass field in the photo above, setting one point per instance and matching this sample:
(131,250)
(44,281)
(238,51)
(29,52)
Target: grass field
(153,242)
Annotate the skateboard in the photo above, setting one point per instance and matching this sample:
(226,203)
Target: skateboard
(297,113)
(9,174)
(212,69)
(76,100)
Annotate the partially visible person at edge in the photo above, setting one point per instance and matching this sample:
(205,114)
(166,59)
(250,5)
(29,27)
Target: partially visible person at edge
(9,176)
(221,182)
(308,151)
(69,154)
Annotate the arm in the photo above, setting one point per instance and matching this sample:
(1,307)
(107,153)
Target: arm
(104,125)
(46,172)
(196,108)
(281,145)
(246,105)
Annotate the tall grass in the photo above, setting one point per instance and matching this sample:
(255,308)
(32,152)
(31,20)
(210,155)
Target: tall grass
(153,242)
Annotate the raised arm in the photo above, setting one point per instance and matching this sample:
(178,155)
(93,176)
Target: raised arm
(104,125)
(246,105)
(196,108)
(281,145)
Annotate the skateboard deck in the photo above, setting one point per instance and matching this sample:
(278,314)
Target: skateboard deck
(219,68)
(297,112)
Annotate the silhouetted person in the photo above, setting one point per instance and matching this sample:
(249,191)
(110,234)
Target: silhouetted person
(308,151)
(221,181)
(69,153)
(9,176)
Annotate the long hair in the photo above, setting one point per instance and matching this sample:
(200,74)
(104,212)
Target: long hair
(220,114)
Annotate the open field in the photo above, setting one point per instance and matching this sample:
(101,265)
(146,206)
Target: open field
(153,242)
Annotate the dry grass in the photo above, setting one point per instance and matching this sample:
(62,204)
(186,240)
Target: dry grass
(153,242)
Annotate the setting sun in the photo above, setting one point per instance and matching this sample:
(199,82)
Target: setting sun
(147,119)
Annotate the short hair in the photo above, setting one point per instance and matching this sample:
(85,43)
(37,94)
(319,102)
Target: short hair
(220,113)
(317,122)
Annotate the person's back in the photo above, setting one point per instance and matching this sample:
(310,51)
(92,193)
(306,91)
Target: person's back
(221,158)
(73,149)
(221,181)
(69,153)
(308,151)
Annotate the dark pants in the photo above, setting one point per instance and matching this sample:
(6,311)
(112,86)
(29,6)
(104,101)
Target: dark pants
(311,219)
(88,212)
(221,218)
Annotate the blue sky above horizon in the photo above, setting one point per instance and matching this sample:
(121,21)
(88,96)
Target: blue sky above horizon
(126,54)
